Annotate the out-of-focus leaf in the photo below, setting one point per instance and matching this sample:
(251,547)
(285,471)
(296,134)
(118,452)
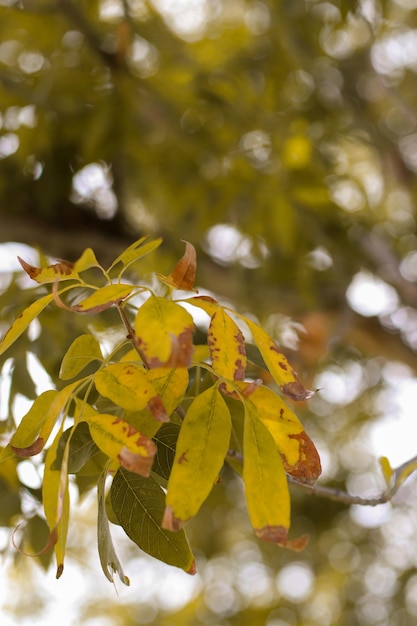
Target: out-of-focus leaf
(134,252)
(82,352)
(86,261)
(127,385)
(25,441)
(163,333)
(108,557)
(55,498)
(138,504)
(22,322)
(201,449)
(266,487)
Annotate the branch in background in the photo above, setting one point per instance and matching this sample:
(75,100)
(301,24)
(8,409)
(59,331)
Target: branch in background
(395,478)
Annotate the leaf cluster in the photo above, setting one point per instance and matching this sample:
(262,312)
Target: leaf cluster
(150,422)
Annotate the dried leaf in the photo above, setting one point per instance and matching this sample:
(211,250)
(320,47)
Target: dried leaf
(183,274)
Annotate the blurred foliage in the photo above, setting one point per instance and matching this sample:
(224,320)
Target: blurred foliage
(294,124)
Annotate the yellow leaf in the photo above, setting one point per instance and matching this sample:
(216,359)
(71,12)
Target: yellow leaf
(266,487)
(278,365)
(120,441)
(63,270)
(55,498)
(298,453)
(227,346)
(127,385)
(163,333)
(22,322)
(201,448)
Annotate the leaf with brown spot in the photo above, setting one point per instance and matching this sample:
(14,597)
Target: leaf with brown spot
(227,347)
(278,365)
(128,386)
(299,455)
(120,441)
(63,270)
(163,333)
(201,448)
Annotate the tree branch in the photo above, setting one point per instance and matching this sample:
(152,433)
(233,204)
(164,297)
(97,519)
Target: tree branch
(396,479)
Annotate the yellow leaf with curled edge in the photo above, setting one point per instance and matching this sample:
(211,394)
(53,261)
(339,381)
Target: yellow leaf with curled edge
(299,455)
(266,487)
(227,346)
(120,441)
(128,386)
(163,333)
(278,365)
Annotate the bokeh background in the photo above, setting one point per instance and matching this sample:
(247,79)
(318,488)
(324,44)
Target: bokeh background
(280,138)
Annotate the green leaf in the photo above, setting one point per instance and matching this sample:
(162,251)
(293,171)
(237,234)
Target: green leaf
(134,252)
(266,488)
(22,322)
(81,447)
(82,352)
(108,557)
(138,504)
(163,333)
(166,441)
(128,386)
(201,448)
